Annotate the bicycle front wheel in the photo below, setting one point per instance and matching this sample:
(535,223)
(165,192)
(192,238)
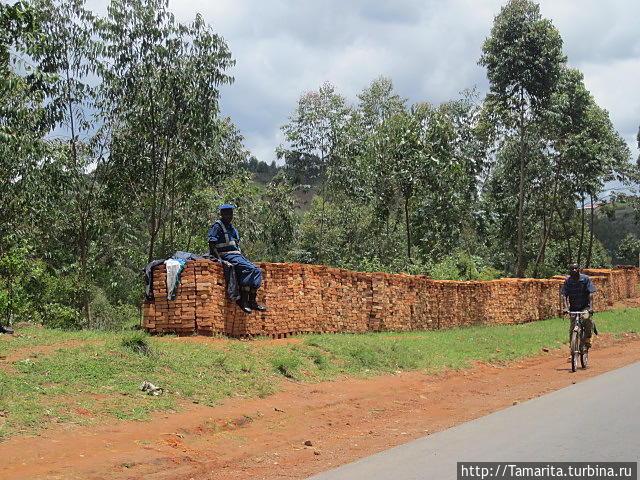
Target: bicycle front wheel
(575,350)
(584,353)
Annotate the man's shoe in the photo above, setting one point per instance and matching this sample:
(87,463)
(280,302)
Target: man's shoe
(252,301)
(243,303)
(5,330)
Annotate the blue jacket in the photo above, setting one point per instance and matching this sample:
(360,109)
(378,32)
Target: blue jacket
(225,238)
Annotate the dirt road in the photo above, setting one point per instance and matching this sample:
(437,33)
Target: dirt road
(303,430)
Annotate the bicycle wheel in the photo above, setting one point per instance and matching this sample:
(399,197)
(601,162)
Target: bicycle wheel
(575,350)
(584,351)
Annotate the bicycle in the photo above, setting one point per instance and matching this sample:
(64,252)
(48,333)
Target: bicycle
(577,342)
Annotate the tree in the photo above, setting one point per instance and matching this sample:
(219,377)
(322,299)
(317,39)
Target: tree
(159,104)
(564,122)
(629,249)
(349,173)
(470,148)
(67,48)
(523,57)
(313,133)
(409,158)
(378,102)
(638,138)
(22,122)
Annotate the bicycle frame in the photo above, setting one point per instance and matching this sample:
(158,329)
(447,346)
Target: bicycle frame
(579,316)
(577,340)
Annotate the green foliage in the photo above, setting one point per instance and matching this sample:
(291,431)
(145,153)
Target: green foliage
(628,251)
(160,104)
(31,292)
(141,157)
(112,316)
(262,172)
(462,266)
(524,59)
(554,146)
(133,99)
(613,224)
(523,56)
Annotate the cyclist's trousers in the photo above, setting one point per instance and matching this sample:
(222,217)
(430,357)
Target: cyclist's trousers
(587,324)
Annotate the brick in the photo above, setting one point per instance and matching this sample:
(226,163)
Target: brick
(312,298)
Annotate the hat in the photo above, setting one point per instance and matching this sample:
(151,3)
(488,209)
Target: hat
(226,206)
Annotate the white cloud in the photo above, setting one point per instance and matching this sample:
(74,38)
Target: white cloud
(429,48)
(615,88)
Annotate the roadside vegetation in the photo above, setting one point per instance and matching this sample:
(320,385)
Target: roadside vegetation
(114,152)
(50,377)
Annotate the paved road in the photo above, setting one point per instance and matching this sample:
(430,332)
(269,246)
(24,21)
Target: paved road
(592,421)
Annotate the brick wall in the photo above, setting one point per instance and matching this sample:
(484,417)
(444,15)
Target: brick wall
(312,298)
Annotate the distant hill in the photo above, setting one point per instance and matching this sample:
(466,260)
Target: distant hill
(262,171)
(612,224)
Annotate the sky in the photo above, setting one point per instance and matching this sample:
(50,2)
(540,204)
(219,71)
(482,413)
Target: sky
(428,48)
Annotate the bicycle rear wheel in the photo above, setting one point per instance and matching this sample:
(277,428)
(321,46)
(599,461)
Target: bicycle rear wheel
(575,350)
(584,352)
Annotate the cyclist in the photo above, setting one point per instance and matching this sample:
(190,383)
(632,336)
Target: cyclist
(577,296)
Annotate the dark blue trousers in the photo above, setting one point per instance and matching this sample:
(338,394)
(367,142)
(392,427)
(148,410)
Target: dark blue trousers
(247,273)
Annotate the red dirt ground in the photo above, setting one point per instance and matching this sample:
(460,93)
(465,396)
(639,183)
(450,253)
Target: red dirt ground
(302,430)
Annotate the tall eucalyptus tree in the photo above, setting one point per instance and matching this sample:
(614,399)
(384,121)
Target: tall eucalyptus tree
(523,56)
(314,133)
(23,121)
(69,206)
(159,103)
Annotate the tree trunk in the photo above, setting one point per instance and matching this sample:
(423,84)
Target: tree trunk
(543,245)
(322,194)
(520,221)
(547,226)
(581,244)
(406,220)
(153,218)
(567,237)
(591,222)
(81,204)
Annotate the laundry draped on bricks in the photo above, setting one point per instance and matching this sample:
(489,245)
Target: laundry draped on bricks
(318,299)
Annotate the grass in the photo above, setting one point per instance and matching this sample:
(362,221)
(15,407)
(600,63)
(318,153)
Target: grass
(91,377)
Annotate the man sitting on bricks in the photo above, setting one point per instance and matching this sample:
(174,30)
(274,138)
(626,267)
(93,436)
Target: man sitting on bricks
(223,244)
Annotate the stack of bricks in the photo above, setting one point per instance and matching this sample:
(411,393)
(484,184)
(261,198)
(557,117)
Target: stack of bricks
(165,315)
(318,299)
(631,278)
(616,284)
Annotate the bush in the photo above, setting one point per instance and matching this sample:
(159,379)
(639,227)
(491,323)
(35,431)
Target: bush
(55,315)
(137,342)
(31,291)
(107,316)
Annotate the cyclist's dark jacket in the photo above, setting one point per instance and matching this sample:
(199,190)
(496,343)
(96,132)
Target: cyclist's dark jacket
(578,291)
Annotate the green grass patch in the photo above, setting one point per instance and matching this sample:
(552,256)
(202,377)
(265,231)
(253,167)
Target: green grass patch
(137,342)
(31,337)
(90,377)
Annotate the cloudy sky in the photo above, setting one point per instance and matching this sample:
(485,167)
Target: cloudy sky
(429,48)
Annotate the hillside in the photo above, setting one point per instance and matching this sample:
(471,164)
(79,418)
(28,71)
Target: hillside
(612,224)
